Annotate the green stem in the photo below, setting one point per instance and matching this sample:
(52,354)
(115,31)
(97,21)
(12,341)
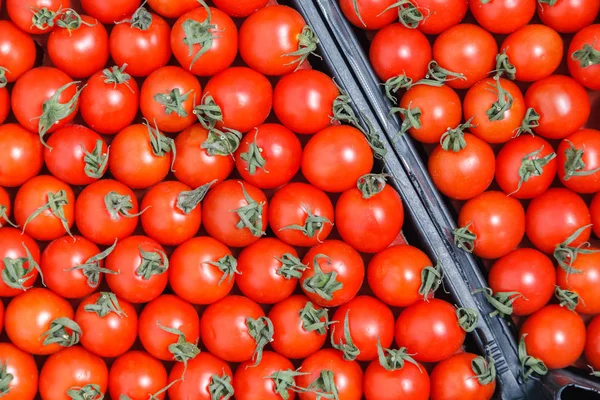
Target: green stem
(63,331)
(250,215)
(313,319)
(454,138)
(321,283)
(574,164)
(161,144)
(531,166)
(464,238)
(348,348)
(90,391)
(291,266)
(502,104)
(56,202)
(566,254)
(188,200)
(228,266)
(504,68)
(431,280)
(467,319)
(96,161)
(253,157)
(395,360)
(182,350)
(222,142)
(91,269)
(106,303)
(262,331)
(14,273)
(408,14)
(153,263)
(567,298)
(371,185)
(501,301)
(411,118)
(437,73)
(484,370)
(307,45)
(530,364)
(587,56)
(530,121)
(53,111)
(199,33)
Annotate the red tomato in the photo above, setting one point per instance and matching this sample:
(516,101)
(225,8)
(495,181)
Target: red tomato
(468,50)
(138,375)
(561,103)
(554,335)
(45,208)
(595,214)
(369,14)
(23,373)
(205,54)
(258,382)
(340,265)
(202,371)
(237,9)
(170,312)
(202,262)
(579,161)
(4,103)
(17,51)
(440,15)
(568,16)
(5,207)
(110,11)
(110,100)
(269,156)
(76,155)
(170,9)
(235,213)
(409,382)
(35,16)
(141,263)
(592,343)
(429,330)
(583,281)
(525,166)
(502,16)
(554,216)
(1,316)
(457,378)
(15,250)
(582,66)
(21,154)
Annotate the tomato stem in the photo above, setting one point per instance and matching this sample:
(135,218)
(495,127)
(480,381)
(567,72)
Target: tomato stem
(161,144)
(396,83)
(53,111)
(454,138)
(485,370)
(342,110)
(464,238)
(349,349)
(291,266)
(530,364)
(250,215)
(222,142)
(357,12)
(587,56)
(394,360)
(531,165)
(371,185)
(208,112)
(199,33)
(173,102)
(228,266)
(91,268)
(285,381)
(55,204)
(467,318)
(501,301)
(321,283)
(307,45)
(593,372)
(324,386)
(4,216)
(141,19)
(502,104)
(5,379)
(63,331)
(411,118)
(116,75)
(188,200)
(182,350)
(3,78)
(220,387)
(119,205)
(14,274)
(254,157)
(313,224)
(106,303)
(70,20)
(574,164)
(443,75)
(313,319)
(409,15)
(504,67)
(153,263)
(91,391)
(431,280)
(43,18)
(96,161)
(567,298)
(261,330)
(565,254)
(377,146)
(530,121)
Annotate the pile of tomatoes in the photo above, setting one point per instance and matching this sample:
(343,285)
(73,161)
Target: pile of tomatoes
(503,103)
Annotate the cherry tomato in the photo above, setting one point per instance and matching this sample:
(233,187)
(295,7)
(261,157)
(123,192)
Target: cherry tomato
(456,378)
(592,343)
(17,51)
(5,207)
(237,9)
(15,248)
(138,375)
(21,153)
(4,104)
(170,9)
(582,67)
(23,373)
(252,382)
(35,17)
(440,15)
(369,14)
(1,316)
(202,371)
(579,161)
(110,11)
(568,16)
(410,382)
(595,214)
(583,281)
(502,16)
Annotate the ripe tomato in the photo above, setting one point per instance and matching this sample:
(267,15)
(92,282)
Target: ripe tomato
(45,208)
(568,16)
(22,383)
(5,207)
(389,381)
(202,262)
(203,371)
(554,335)
(110,11)
(582,66)
(503,16)
(167,311)
(592,343)
(106,211)
(138,375)
(579,161)
(554,216)
(440,15)
(528,272)
(300,327)
(213,42)
(21,153)
(31,315)
(235,213)
(4,103)
(276,40)
(142,42)
(562,104)
(17,51)
(345,377)
(110,100)
(141,263)
(429,330)
(369,14)
(337,264)
(237,9)
(140,156)
(76,155)
(525,166)
(595,214)
(1,316)
(261,382)
(21,255)
(269,156)
(74,372)
(170,9)
(35,16)
(583,281)
(239,320)
(458,378)
(468,50)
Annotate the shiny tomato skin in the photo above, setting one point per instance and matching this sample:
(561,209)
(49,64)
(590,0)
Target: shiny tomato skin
(555,335)
(236,9)
(410,382)
(569,16)
(503,16)
(584,283)
(21,153)
(24,371)
(110,11)
(12,245)
(371,13)
(595,214)
(440,15)
(527,271)
(4,104)
(5,206)
(586,75)
(251,382)
(17,51)
(199,373)
(454,379)
(20,13)
(554,216)
(592,343)
(189,269)
(1,316)
(171,9)
(588,141)
(138,375)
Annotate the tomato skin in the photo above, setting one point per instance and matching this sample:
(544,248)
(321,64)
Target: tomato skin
(510,158)
(29,315)
(555,335)
(372,15)
(110,11)
(236,9)
(588,141)
(595,214)
(342,259)
(554,216)
(504,16)
(467,49)
(466,173)
(568,16)
(24,371)
(170,9)
(4,104)
(429,330)
(199,374)
(409,382)
(138,375)
(588,74)
(592,343)
(453,379)
(189,269)
(171,312)
(126,259)
(20,13)
(108,336)
(21,153)
(11,246)
(5,205)
(1,316)
(17,51)
(440,15)
(250,383)
(222,51)
(527,271)
(397,50)
(584,283)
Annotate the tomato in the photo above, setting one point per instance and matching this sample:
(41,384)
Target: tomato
(242,96)
(21,153)
(17,51)
(142,42)
(276,40)
(525,166)
(35,16)
(502,16)
(31,315)
(45,208)
(337,263)
(110,11)
(595,214)
(204,371)
(583,280)
(579,161)
(73,372)
(213,42)
(167,311)
(554,216)
(300,327)
(429,330)
(527,271)
(21,255)
(4,103)
(582,66)
(369,14)
(568,16)
(268,271)
(261,382)
(467,50)
(170,9)
(141,263)
(592,343)
(391,381)
(269,156)
(562,104)
(440,15)
(5,208)
(235,213)
(202,262)
(110,101)
(76,155)
(237,9)
(458,378)
(1,316)
(554,335)
(345,376)
(138,375)
(22,370)
(106,211)
(235,329)
(140,156)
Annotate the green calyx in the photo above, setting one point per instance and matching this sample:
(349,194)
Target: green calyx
(188,200)
(285,382)
(153,263)
(502,104)
(291,266)
(91,269)
(530,121)
(454,138)
(321,283)
(4,216)
(253,157)
(63,331)
(532,165)
(119,205)
(437,73)
(3,78)
(182,350)
(250,215)
(467,319)
(593,372)
(394,84)
(161,144)
(5,380)
(342,110)
(501,301)
(411,118)
(394,360)
(529,364)
(574,164)
(222,142)
(314,319)
(371,185)
(567,298)
(357,12)
(116,75)
(323,387)
(373,138)
(96,161)
(565,254)
(228,266)
(220,387)
(53,111)
(431,280)
(141,19)
(313,224)
(408,14)
(504,68)
(173,102)
(208,112)
(43,18)
(199,33)
(261,330)
(70,20)
(307,45)
(586,56)
(90,391)
(348,348)
(15,275)
(107,303)
(55,204)
(484,370)
(464,238)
